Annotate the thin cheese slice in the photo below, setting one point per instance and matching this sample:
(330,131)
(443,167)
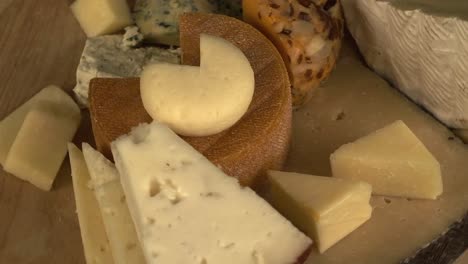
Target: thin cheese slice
(186,210)
(325,208)
(95,242)
(393,160)
(118,223)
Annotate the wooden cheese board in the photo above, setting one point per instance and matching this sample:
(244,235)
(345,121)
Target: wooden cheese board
(41,44)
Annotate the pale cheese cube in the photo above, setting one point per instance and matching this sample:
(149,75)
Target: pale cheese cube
(41,143)
(111,199)
(325,208)
(99,17)
(93,235)
(393,160)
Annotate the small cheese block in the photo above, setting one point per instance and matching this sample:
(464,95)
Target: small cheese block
(393,160)
(95,243)
(99,17)
(116,217)
(186,210)
(219,93)
(41,144)
(11,124)
(325,208)
(259,141)
(308,35)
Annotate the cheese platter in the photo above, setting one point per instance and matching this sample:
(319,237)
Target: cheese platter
(156,173)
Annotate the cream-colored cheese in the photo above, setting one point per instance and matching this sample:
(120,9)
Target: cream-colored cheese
(117,221)
(186,210)
(99,17)
(95,243)
(393,160)
(421,46)
(200,101)
(325,208)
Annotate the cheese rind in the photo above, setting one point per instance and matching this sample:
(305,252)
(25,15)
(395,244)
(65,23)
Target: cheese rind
(186,210)
(107,56)
(219,93)
(99,17)
(393,160)
(116,217)
(46,127)
(421,47)
(95,243)
(325,208)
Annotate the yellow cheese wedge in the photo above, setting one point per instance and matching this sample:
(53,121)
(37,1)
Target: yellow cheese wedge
(99,17)
(95,242)
(111,199)
(325,208)
(393,160)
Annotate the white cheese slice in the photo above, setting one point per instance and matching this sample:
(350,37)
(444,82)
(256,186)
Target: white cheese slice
(200,101)
(186,210)
(99,17)
(95,242)
(107,56)
(393,160)
(118,223)
(421,46)
(325,208)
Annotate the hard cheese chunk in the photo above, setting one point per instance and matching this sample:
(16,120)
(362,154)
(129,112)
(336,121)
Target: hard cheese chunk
(393,160)
(187,210)
(106,56)
(95,242)
(116,217)
(99,17)
(307,34)
(325,208)
(219,94)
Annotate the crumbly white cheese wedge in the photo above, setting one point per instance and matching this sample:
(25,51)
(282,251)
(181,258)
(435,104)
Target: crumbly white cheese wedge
(393,160)
(325,208)
(95,243)
(118,223)
(421,46)
(186,210)
(99,17)
(41,144)
(11,124)
(200,101)
(107,56)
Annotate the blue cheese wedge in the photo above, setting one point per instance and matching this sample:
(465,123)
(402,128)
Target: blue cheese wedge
(186,210)
(107,56)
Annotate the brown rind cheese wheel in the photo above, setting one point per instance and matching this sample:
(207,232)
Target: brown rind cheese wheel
(258,142)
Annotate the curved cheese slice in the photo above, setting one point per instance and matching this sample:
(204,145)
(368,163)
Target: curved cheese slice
(259,141)
(308,35)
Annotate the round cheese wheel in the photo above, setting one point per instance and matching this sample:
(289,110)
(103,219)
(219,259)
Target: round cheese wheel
(258,142)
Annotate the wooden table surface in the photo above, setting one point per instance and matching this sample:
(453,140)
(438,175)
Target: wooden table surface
(40,44)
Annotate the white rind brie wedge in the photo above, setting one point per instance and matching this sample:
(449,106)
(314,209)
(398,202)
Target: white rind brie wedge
(421,46)
(200,101)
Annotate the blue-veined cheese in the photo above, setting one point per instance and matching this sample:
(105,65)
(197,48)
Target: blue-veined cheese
(186,210)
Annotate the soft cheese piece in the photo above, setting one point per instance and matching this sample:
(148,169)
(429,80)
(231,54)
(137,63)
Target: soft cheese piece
(111,199)
(41,143)
(99,17)
(353,103)
(308,35)
(421,47)
(325,208)
(95,243)
(200,101)
(11,124)
(109,56)
(159,19)
(186,210)
(393,160)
